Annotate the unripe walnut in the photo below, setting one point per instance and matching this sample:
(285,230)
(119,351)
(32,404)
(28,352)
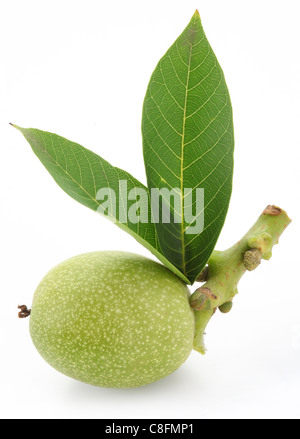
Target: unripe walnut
(112,319)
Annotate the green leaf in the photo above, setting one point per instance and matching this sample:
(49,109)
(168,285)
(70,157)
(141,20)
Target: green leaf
(82,173)
(188,144)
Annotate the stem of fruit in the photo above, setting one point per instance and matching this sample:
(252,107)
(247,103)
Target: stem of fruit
(225,269)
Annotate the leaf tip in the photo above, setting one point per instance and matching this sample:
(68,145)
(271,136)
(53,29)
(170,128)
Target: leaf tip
(196,15)
(15,126)
(196,19)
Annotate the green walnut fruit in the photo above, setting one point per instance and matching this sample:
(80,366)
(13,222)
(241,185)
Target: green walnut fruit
(112,319)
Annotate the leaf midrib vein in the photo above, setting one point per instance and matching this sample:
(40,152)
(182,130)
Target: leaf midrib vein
(182,158)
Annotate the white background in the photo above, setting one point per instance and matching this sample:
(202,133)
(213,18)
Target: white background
(80,69)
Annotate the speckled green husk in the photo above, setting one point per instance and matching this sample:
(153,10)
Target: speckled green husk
(112,319)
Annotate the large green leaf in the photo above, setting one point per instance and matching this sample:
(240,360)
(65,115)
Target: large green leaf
(82,173)
(188,144)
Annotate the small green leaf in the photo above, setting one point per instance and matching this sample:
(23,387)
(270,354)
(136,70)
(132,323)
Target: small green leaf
(188,144)
(82,173)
